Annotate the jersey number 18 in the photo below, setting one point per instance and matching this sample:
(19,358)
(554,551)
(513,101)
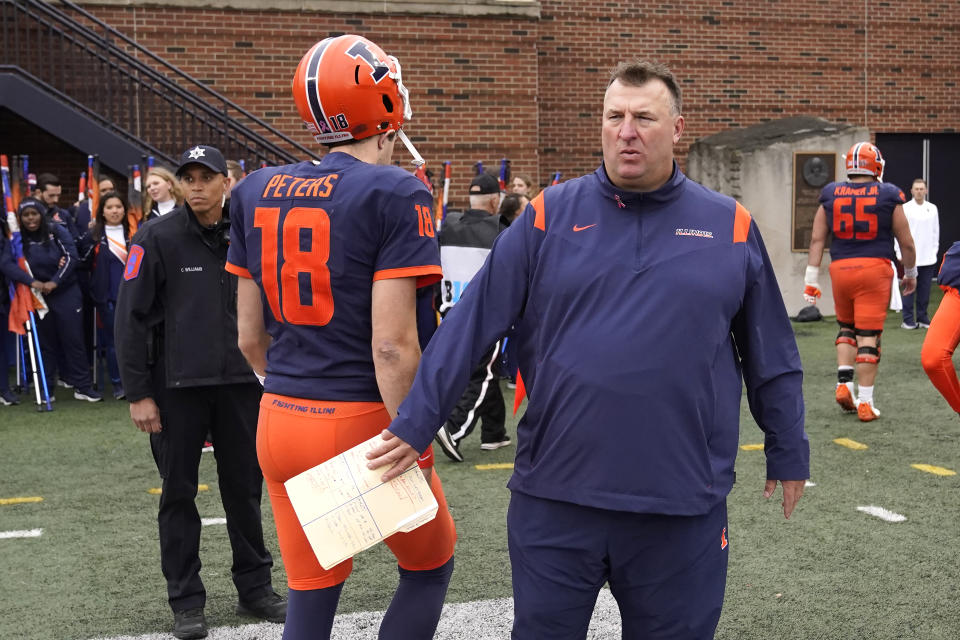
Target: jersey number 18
(285,294)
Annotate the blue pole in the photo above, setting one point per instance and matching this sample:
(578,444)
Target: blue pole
(22,369)
(43,375)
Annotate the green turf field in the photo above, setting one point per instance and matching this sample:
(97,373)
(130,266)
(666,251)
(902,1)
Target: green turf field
(831,572)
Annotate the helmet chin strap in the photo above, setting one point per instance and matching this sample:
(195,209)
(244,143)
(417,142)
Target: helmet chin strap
(407,113)
(417,158)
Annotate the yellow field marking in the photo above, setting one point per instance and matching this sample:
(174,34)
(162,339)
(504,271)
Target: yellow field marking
(6,501)
(490,467)
(851,444)
(937,471)
(752,447)
(157,490)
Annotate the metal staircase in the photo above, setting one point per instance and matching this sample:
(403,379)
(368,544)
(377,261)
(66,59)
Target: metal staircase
(61,63)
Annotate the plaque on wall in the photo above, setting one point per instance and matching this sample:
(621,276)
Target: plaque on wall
(811,171)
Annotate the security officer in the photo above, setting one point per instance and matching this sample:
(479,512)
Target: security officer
(176,340)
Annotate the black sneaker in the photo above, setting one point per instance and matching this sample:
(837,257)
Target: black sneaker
(118,392)
(271,608)
(493,446)
(450,446)
(189,625)
(8,398)
(89,395)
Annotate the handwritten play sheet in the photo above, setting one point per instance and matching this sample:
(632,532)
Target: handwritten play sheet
(344,508)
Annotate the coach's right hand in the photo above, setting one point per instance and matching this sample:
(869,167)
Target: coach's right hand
(146,415)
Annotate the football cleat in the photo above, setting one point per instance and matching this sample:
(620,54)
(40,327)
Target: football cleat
(867,412)
(845,399)
(864,159)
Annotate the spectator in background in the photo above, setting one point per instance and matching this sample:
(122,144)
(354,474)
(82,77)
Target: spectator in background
(163,193)
(924,220)
(84,222)
(81,211)
(465,241)
(522,184)
(49,190)
(511,206)
(234,175)
(52,256)
(106,258)
(10,273)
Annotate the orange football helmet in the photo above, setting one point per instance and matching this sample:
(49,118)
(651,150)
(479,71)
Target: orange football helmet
(348,88)
(864,159)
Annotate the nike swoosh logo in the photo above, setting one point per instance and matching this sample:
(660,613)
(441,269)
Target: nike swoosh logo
(579,228)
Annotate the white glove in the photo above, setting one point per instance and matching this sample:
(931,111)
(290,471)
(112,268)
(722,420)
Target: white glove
(811,289)
(260,378)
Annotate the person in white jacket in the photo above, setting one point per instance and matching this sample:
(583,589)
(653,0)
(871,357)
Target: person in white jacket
(924,223)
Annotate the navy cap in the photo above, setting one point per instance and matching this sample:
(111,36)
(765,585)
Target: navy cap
(483,184)
(210,157)
(31,203)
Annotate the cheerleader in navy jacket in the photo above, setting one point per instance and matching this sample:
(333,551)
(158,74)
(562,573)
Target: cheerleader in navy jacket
(52,257)
(106,257)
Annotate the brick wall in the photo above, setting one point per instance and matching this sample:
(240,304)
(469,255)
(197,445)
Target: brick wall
(531,88)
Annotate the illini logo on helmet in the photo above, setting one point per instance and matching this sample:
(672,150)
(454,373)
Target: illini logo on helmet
(348,88)
(864,159)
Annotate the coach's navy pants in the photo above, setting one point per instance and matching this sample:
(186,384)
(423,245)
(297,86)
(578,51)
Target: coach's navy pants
(667,573)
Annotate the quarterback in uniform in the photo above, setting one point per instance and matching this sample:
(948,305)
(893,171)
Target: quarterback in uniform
(864,215)
(330,257)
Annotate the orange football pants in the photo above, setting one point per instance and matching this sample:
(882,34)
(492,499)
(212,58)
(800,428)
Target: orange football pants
(938,347)
(295,434)
(861,291)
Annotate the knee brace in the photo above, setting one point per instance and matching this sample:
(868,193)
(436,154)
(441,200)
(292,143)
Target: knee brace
(847,334)
(870,355)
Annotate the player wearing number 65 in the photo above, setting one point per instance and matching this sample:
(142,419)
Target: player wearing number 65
(176,345)
(330,257)
(863,214)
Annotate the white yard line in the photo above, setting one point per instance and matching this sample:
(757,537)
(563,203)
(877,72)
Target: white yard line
(26,533)
(485,620)
(883,514)
(209,521)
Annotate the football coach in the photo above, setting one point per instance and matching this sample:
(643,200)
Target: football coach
(643,302)
(176,338)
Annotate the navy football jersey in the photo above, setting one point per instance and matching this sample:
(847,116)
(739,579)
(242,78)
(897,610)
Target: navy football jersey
(314,237)
(860,218)
(949,276)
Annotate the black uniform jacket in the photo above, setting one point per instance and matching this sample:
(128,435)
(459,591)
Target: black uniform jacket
(176,315)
